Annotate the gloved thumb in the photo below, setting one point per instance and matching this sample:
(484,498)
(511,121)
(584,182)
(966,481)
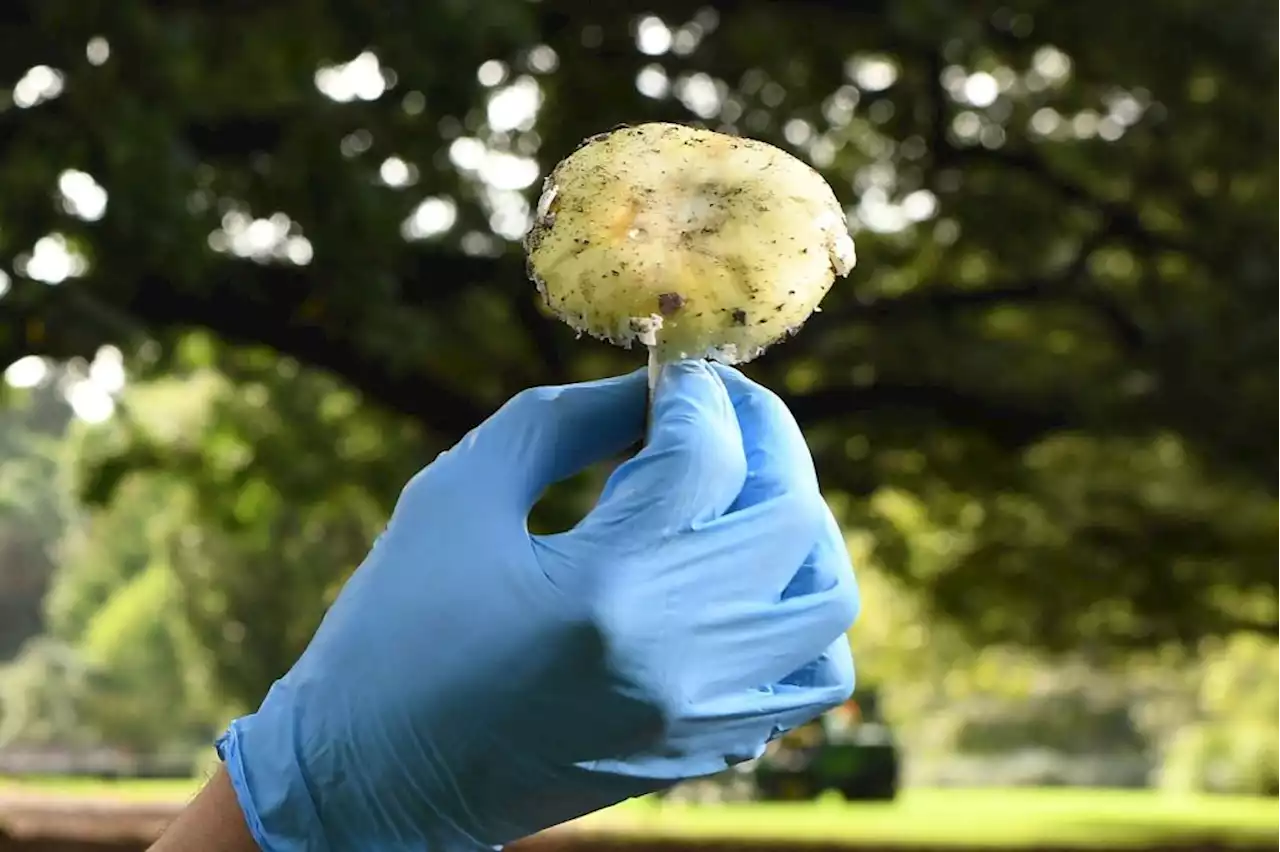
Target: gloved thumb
(545,434)
(692,467)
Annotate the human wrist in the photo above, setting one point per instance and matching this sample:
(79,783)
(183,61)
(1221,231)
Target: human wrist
(213,822)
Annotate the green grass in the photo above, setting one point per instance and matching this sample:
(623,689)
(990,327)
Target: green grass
(996,817)
(132,790)
(1016,817)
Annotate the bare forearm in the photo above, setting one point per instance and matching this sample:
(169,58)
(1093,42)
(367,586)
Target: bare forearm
(212,822)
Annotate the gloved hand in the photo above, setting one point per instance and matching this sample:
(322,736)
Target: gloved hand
(474,684)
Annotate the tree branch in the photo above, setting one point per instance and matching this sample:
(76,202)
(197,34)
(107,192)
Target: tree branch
(1124,222)
(241,302)
(278,325)
(1266,626)
(1011,423)
(1064,286)
(249,304)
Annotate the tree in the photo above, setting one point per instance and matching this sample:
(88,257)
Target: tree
(1066,233)
(43,695)
(147,691)
(35,507)
(236,508)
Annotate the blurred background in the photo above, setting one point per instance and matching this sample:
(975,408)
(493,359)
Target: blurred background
(259,262)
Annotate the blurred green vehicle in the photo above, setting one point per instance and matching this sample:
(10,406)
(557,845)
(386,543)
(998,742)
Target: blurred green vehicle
(848,751)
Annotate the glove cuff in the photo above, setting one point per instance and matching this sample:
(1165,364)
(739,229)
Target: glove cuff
(274,790)
(271,790)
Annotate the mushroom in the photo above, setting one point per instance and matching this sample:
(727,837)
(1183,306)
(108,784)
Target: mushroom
(693,243)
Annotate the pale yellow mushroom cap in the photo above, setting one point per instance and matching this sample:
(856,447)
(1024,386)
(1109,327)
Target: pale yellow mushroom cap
(696,243)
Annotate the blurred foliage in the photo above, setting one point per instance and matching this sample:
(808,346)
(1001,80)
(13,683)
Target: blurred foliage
(44,697)
(33,508)
(1063,346)
(160,632)
(1232,743)
(1178,717)
(1044,401)
(261,521)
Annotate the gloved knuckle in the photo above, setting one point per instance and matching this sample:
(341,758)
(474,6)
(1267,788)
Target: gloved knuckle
(840,679)
(530,401)
(618,621)
(768,403)
(678,427)
(804,511)
(665,704)
(844,607)
(634,655)
(813,507)
(848,681)
(670,708)
(762,405)
(713,454)
(419,485)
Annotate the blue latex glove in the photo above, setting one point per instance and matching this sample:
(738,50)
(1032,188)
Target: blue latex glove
(474,684)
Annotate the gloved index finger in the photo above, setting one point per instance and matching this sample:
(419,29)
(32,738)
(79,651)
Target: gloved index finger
(545,434)
(778,458)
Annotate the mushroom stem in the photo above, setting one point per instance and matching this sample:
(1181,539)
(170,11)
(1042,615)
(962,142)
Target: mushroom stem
(655,369)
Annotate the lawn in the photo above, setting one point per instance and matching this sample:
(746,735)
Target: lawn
(974,817)
(131,790)
(1015,817)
